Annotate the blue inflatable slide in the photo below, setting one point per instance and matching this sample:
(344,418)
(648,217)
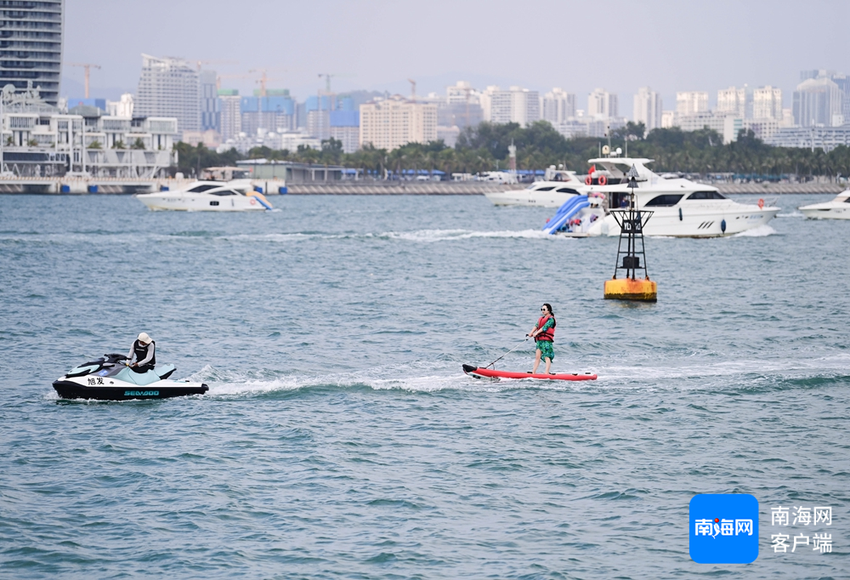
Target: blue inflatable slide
(566,212)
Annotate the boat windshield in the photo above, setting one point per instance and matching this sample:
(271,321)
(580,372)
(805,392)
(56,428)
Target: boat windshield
(706,195)
(666,200)
(203,187)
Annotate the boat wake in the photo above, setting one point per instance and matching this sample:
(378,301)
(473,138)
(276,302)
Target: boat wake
(449,235)
(757,232)
(447,376)
(422,236)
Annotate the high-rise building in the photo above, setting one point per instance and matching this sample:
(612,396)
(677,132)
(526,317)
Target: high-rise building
(602,105)
(735,101)
(843,82)
(840,79)
(462,107)
(273,112)
(647,108)
(319,115)
(496,105)
(516,105)
(168,87)
(393,122)
(345,128)
(558,106)
(692,102)
(818,102)
(462,92)
(767,103)
(210,111)
(231,116)
(31,47)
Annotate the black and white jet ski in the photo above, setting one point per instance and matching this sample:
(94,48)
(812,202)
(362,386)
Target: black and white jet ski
(110,379)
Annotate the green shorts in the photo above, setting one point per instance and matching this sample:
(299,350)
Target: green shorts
(546,350)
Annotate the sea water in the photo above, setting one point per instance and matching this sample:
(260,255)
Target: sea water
(340,438)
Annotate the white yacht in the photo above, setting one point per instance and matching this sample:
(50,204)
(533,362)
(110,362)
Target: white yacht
(208,196)
(836,209)
(681,208)
(557,187)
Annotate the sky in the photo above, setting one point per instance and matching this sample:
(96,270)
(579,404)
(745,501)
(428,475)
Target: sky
(577,45)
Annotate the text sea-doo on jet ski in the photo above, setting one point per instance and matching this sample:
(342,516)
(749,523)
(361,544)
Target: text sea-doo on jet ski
(110,379)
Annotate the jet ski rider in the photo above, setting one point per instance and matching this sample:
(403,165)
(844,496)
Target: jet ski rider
(144,349)
(544,333)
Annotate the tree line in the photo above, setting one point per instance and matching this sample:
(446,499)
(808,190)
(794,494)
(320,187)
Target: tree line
(485,148)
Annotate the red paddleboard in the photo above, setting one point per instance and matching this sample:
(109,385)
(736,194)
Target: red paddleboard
(481,373)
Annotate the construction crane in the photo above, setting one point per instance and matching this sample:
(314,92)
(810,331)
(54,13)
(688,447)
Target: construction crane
(412,89)
(264,79)
(328,77)
(87,67)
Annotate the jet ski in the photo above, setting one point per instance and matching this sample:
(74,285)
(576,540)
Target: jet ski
(485,373)
(110,379)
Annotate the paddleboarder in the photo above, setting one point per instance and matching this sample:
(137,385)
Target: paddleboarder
(544,333)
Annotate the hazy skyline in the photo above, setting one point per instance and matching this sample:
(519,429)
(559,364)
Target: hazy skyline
(379,44)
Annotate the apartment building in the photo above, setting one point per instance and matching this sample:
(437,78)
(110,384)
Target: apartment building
(647,108)
(515,105)
(735,101)
(391,123)
(602,105)
(169,87)
(558,106)
(767,103)
(691,102)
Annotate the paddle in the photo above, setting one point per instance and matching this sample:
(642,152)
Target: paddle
(507,353)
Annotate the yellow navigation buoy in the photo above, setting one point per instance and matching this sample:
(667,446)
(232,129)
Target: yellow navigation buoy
(628,289)
(630,251)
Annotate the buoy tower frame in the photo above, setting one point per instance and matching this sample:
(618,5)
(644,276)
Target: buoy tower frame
(631,252)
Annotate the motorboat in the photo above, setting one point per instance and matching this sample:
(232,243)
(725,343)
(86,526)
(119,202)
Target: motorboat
(236,195)
(681,207)
(556,188)
(836,209)
(110,379)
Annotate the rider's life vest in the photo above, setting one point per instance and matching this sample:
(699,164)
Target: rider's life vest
(549,333)
(141,351)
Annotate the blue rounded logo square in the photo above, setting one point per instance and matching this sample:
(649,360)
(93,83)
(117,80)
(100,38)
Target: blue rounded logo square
(724,528)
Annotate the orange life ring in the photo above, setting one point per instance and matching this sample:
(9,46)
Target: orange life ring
(603,180)
(588,180)
(761,203)
(253,201)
